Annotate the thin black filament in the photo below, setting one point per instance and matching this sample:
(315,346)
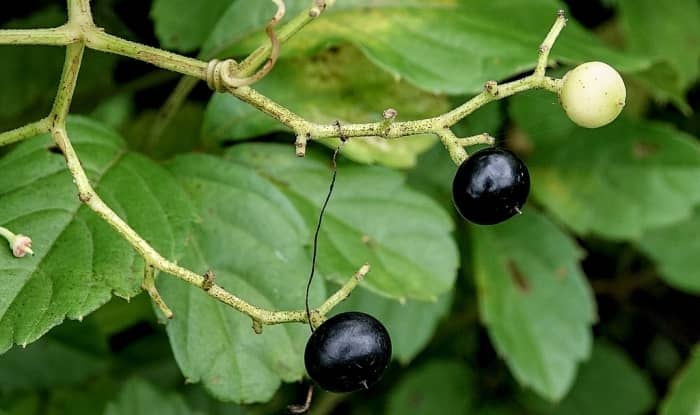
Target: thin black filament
(334,168)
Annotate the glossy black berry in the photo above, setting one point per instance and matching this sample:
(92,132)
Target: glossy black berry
(490,186)
(348,352)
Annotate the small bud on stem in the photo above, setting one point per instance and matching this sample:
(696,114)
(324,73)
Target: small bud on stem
(20,245)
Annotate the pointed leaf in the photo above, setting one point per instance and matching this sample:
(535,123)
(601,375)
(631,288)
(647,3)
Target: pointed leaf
(80,260)
(534,300)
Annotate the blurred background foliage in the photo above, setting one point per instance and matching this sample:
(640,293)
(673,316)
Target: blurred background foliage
(586,304)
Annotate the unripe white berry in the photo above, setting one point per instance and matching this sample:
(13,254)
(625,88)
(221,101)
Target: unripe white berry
(593,94)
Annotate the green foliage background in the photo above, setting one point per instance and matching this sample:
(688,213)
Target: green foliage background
(585,304)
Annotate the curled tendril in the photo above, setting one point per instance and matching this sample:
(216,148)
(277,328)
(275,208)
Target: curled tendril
(221,74)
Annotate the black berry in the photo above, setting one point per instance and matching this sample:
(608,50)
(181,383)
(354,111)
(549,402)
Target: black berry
(348,352)
(490,186)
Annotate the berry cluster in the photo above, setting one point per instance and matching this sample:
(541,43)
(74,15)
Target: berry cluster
(493,184)
(351,350)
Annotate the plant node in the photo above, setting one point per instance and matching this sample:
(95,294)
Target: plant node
(492,88)
(209,280)
(149,285)
(257,326)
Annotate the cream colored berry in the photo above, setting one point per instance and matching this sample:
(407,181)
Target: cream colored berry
(593,94)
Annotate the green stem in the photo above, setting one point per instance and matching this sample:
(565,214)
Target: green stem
(26,131)
(7,234)
(79,12)
(87,195)
(149,285)
(80,32)
(179,95)
(439,125)
(344,291)
(451,143)
(498,92)
(548,43)
(58,36)
(67,84)
(99,40)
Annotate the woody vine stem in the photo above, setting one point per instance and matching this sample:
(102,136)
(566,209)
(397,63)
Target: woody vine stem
(80,32)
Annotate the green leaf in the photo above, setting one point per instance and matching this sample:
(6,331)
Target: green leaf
(80,261)
(438,387)
(29,72)
(181,135)
(449,46)
(678,267)
(608,384)
(372,217)
(671,36)
(411,323)
(251,236)
(617,181)
(62,358)
(243,19)
(683,397)
(114,112)
(340,85)
(138,397)
(184,25)
(534,300)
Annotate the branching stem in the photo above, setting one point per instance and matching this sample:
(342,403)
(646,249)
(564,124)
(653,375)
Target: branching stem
(245,68)
(548,43)
(26,131)
(58,36)
(80,33)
